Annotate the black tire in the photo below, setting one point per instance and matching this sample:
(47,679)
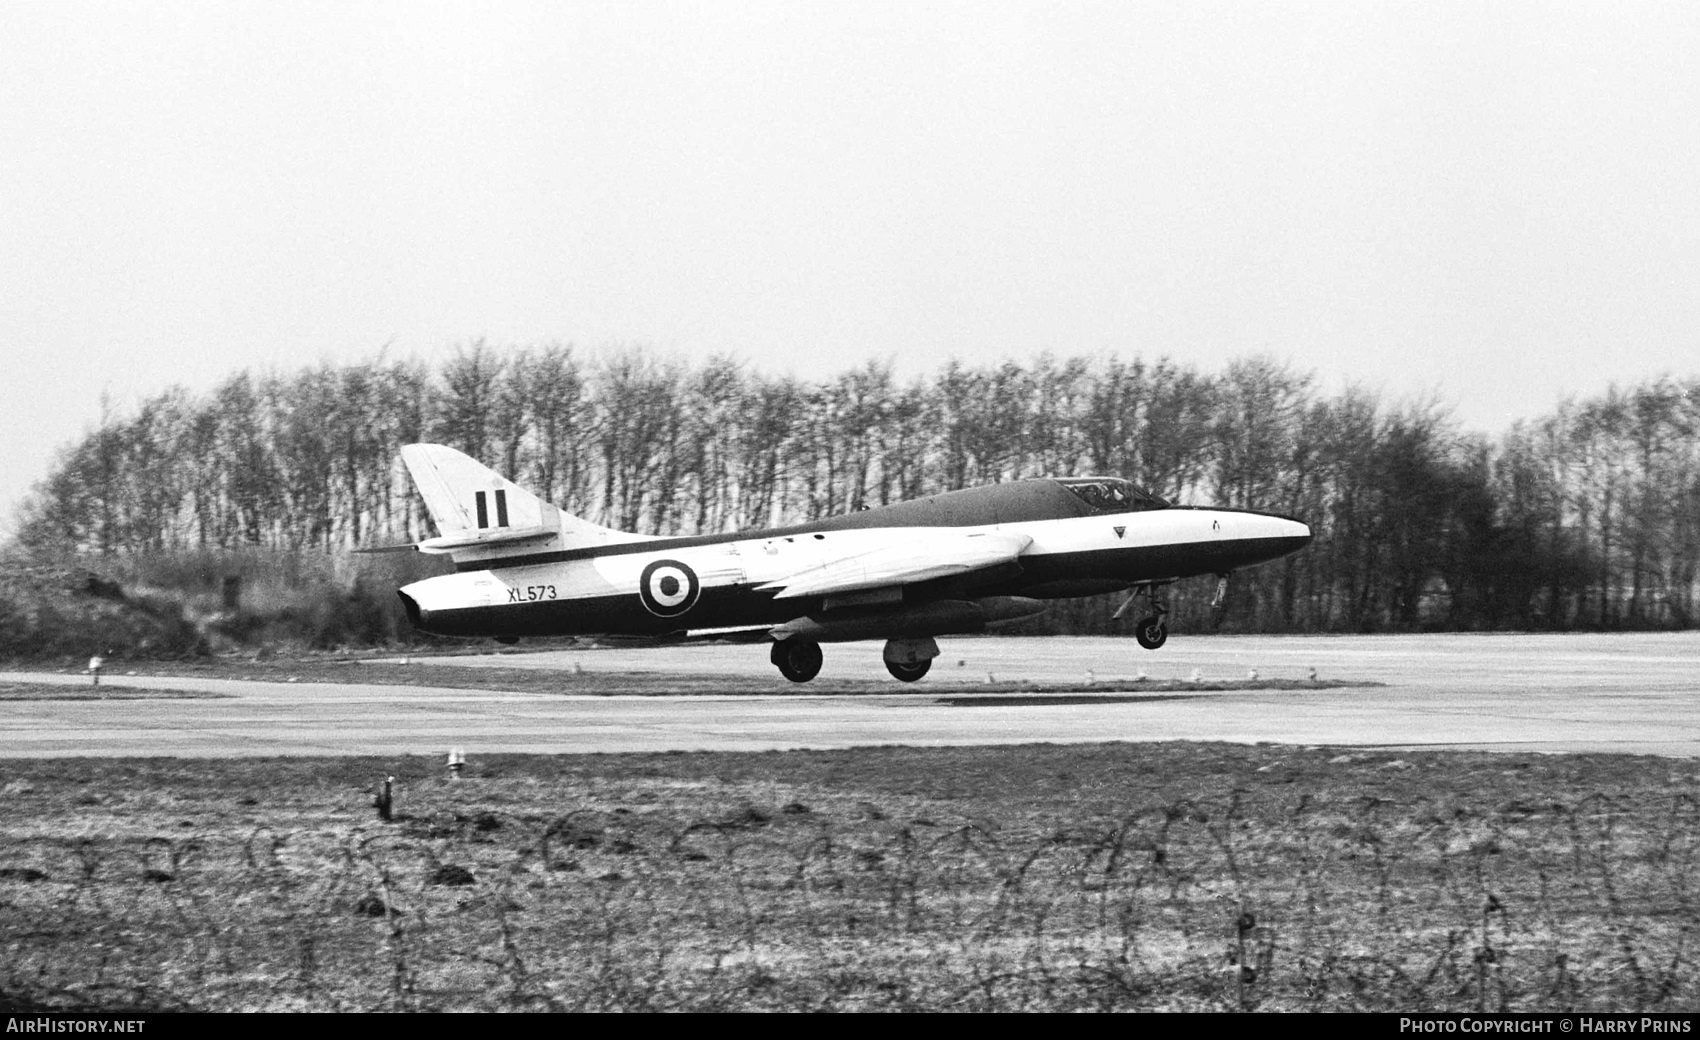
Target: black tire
(798,659)
(1151,633)
(908,672)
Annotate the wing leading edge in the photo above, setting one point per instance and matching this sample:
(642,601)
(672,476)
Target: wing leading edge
(915,559)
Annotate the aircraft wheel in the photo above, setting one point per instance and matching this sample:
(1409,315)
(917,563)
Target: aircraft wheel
(798,659)
(1151,633)
(908,672)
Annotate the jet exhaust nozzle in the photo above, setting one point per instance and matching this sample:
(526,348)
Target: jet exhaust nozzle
(415,616)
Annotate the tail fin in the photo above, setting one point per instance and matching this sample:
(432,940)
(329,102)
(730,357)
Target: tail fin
(480,515)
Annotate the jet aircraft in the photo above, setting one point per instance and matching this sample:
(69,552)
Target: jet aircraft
(905,573)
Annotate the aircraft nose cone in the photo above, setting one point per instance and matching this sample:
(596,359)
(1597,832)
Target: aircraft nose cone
(1273,537)
(1287,536)
(1298,536)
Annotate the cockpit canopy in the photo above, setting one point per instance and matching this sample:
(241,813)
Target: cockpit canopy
(1112,494)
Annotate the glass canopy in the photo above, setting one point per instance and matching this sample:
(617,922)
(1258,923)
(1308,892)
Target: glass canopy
(1111,494)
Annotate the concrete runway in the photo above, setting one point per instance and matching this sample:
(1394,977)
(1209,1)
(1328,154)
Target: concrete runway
(1625,693)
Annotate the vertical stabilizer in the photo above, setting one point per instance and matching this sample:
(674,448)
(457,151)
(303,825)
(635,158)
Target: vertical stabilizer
(464,496)
(482,515)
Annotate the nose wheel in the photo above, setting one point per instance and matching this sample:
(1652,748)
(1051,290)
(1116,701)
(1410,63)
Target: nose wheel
(797,659)
(1152,631)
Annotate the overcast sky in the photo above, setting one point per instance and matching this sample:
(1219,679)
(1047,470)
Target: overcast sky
(1494,203)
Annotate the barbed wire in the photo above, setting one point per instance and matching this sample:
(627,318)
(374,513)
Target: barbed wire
(1179,905)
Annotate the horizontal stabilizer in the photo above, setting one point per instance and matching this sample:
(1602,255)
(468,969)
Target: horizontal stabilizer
(489,536)
(471,540)
(923,558)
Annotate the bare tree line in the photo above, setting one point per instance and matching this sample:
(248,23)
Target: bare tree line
(1587,518)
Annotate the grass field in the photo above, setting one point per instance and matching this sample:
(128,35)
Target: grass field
(1039,877)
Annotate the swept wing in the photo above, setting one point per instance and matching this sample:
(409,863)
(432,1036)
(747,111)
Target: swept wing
(919,557)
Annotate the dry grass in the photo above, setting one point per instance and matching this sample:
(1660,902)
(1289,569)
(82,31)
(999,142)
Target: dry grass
(1037,877)
(30,691)
(423,671)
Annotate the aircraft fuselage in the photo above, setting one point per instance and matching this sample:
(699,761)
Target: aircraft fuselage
(966,559)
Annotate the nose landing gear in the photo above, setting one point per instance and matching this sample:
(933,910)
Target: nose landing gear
(1151,631)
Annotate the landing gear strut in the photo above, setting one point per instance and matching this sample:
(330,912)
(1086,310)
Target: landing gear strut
(798,659)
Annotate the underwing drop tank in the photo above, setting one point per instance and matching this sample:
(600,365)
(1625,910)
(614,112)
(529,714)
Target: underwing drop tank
(937,618)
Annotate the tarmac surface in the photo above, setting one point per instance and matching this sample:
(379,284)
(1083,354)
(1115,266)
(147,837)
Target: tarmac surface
(1637,694)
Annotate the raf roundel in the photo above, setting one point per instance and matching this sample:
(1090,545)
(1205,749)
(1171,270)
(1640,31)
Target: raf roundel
(668,588)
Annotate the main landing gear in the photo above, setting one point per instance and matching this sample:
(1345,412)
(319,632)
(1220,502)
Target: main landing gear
(798,659)
(907,660)
(908,672)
